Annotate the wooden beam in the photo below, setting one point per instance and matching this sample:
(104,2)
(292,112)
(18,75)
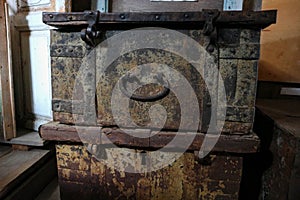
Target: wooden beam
(54,131)
(8,111)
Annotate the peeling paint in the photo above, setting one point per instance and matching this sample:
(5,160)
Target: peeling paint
(184,179)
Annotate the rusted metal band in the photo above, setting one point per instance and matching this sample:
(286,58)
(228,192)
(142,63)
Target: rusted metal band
(256,19)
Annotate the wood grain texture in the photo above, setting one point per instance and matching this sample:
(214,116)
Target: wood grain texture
(8,113)
(96,136)
(16,166)
(278,123)
(280,44)
(29,138)
(285,113)
(36,182)
(148,6)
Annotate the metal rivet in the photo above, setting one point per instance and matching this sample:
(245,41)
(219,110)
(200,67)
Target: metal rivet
(186,15)
(210,48)
(51,16)
(122,16)
(232,51)
(157,17)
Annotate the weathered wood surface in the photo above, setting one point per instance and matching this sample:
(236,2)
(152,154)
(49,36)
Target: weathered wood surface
(93,135)
(250,19)
(238,67)
(17,166)
(8,126)
(236,53)
(278,124)
(27,137)
(139,111)
(31,187)
(4,150)
(83,176)
(148,6)
(18,147)
(284,113)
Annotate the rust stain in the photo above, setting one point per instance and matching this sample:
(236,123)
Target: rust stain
(186,178)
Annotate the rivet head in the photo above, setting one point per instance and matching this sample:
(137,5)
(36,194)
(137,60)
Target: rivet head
(157,17)
(210,12)
(186,15)
(210,48)
(51,16)
(122,16)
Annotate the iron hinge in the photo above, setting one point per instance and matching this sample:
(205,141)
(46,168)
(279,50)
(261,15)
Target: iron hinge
(209,28)
(90,34)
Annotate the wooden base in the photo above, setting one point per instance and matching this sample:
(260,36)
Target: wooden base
(54,131)
(82,176)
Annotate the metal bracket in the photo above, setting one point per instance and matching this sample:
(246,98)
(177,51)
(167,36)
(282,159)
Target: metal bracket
(209,28)
(210,18)
(90,34)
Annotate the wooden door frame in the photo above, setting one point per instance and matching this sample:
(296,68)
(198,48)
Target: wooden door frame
(7,94)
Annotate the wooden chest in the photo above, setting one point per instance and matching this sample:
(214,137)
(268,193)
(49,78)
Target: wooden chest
(124,82)
(96,169)
(210,61)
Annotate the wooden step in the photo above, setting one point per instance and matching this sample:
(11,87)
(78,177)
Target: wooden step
(27,138)
(4,150)
(18,170)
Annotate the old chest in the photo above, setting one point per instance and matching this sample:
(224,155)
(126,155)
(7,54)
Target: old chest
(199,67)
(143,94)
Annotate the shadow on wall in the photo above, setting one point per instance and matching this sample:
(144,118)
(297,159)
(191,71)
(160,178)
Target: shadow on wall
(254,165)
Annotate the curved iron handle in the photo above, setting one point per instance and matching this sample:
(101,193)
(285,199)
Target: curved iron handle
(132,78)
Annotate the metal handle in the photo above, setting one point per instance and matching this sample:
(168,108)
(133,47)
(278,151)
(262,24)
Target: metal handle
(132,78)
